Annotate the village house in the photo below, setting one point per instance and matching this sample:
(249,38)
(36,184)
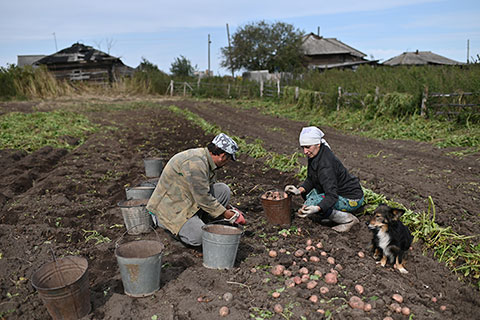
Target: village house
(327,53)
(81,62)
(418,58)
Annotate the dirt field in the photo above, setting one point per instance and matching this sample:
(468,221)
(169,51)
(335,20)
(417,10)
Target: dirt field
(52,200)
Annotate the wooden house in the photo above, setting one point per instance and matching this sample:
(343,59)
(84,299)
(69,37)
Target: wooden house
(326,53)
(81,62)
(419,58)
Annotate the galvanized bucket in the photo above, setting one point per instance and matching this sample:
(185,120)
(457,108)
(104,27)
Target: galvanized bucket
(135,216)
(141,192)
(220,245)
(64,288)
(153,167)
(140,264)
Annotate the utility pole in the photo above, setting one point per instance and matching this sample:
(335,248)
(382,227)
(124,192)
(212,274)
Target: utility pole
(55,38)
(230,51)
(208,70)
(468,50)
(318,31)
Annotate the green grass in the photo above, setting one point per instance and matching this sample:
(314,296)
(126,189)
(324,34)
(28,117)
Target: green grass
(32,131)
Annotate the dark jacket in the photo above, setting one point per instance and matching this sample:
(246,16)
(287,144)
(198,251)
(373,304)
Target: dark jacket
(327,175)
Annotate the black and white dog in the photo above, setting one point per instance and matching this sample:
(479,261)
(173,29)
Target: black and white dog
(391,238)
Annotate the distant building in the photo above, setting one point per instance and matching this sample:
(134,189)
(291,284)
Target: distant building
(419,58)
(81,62)
(28,59)
(327,53)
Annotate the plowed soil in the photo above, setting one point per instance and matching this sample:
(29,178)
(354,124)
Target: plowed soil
(52,201)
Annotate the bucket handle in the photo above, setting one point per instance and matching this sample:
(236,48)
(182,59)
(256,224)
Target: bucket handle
(156,233)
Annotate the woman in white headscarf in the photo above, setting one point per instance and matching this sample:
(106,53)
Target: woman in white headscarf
(330,191)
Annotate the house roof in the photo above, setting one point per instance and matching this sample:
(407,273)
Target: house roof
(78,53)
(316,45)
(419,58)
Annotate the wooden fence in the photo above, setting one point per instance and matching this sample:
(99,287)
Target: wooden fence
(449,104)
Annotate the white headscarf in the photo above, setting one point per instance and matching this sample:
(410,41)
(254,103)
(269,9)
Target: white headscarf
(311,136)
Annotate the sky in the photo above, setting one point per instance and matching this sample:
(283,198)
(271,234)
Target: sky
(161,31)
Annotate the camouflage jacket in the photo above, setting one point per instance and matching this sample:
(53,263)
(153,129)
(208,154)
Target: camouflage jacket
(183,189)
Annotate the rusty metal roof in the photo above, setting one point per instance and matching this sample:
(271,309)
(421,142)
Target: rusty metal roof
(78,53)
(419,58)
(317,45)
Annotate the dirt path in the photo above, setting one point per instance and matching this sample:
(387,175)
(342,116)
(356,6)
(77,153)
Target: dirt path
(53,200)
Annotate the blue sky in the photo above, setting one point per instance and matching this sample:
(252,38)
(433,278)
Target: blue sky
(161,31)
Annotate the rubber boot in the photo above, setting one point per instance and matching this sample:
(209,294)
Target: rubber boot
(346,220)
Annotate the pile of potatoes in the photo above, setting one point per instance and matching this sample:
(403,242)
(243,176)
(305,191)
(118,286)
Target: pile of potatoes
(274,195)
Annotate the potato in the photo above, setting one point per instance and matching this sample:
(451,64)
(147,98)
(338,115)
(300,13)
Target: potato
(282,250)
(395,307)
(227,296)
(313,299)
(312,284)
(361,254)
(309,242)
(331,278)
(224,311)
(314,259)
(272,253)
(323,254)
(388,318)
(397,298)
(434,299)
(304,259)
(253,270)
(303,270)
(405,311)
(276,294)
(359,289)
(278,269)
(321,311)
(278,308)
(289,283)
(356,303)
(339,267)
(331,260)
(297,280)
(318,273)
(310,248)
(367,307)
(319,245)
(287,273)
(443,307)
(299,253)
(324,290)
(305,278)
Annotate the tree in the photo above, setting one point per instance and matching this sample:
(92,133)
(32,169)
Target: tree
(264,46)
(182,67)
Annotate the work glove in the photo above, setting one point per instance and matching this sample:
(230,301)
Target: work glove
(306,211)
(237,216)
(291,189)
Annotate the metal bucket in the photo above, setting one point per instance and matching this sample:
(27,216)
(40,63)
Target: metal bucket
(220,244)
(278,212)
(153,167)
(135,216)
(141,192)
(140,264)
(64,288)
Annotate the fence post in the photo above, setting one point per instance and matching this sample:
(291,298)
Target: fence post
(377,94)
(228,90)
(278,88)
(198,83)
(261,88)
(184,88)
(339,97)
(171,87)
(423,107)
(297,93)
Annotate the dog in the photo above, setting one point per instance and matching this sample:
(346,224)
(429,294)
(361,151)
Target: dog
(391,238)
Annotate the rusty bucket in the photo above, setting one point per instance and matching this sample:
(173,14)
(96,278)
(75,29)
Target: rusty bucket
(278,211)
(64,288)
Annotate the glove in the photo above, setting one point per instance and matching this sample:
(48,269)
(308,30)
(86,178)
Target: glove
(237,216)
(306,211)
(291,189)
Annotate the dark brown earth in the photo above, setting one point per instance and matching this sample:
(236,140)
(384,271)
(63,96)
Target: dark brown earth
(50,198)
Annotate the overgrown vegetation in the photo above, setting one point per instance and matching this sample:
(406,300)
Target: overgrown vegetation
(32,131)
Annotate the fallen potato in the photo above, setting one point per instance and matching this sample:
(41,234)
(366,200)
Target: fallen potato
(224,311)
(278,269)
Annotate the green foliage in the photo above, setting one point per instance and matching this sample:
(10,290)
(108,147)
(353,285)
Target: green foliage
(182,67)
(32,131)
(148,80)
(264,46)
